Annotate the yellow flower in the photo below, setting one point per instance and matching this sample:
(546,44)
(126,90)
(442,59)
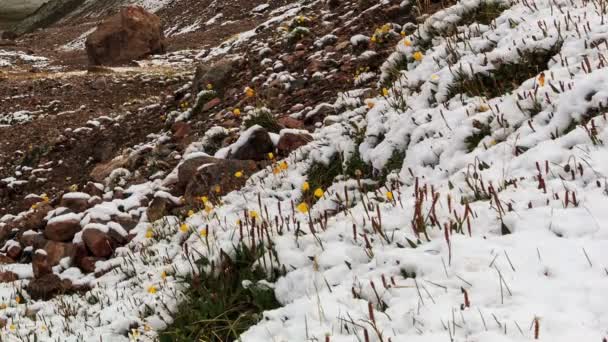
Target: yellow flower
(303,207)
(209,86)
(184,228)
(238,222)
(492,142)
(203,232)
(541,79)
(270,155)
(152,289)
(236,112)
(402,33)
(149,233)
(34,206)
(147,327)
(253,214)
(389,196)
(190,213)
(418,56)
(238,174)
(163,275)
(407,42)
(434,77)
(135,333)
(218,189)
(305,186)
(18,299)
(283,165)
(45,197)
(373,39)
(249,92)
(276,170)
(208,208)
(12,327)
(204,199)
(370,104)
(74,187)
(319,193)
(384,92)
(43,327)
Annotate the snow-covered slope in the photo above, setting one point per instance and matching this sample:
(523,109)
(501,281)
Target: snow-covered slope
(491,227)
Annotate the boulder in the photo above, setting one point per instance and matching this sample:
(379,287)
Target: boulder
(35,220)
(47,286)
(131,34)
(291,140)
(59,250)
(14,251)
(40,264)
(99,243)
(254,144)
(87,263)
(219,75)
(289,122)
(158,208)
(5,260)
(76,201)
(214,174)
(102,170)
(8,277)
(62,228)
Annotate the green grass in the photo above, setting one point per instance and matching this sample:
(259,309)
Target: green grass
(505,77)
(265,119)
(219,308)
(482,130)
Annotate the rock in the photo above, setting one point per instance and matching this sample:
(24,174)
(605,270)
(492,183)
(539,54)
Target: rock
(40,264)
(103,170)
(62,229)
(14,251)
(36,219)
(289,122)
(290,140)
(47,286)
(219,75)
(94,189)
(4,260)
(254,144)
(87,263)
(131,34)
(76,201)
(126,221)
(214,174)
(158,208)
(8,277)
(36,241)
(181,130)
(98,242)
(59,250)
(31,199)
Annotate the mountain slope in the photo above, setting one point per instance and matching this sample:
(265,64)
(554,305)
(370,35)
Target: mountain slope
(456,191)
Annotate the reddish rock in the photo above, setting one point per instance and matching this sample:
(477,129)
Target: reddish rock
(62,229)
(256,147)
(290,141)
(87,263)
(47,286)
(211,104)
(289,122)
(181,130)
(30,200)
(94,189)
(14,251)
(131,34)
(200,176)
(37,240)
(8,277)
(103,170)
(99,243)
(158,208)
(6,260)
(35,220)
(76,201)
(40,264)
(59,250)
